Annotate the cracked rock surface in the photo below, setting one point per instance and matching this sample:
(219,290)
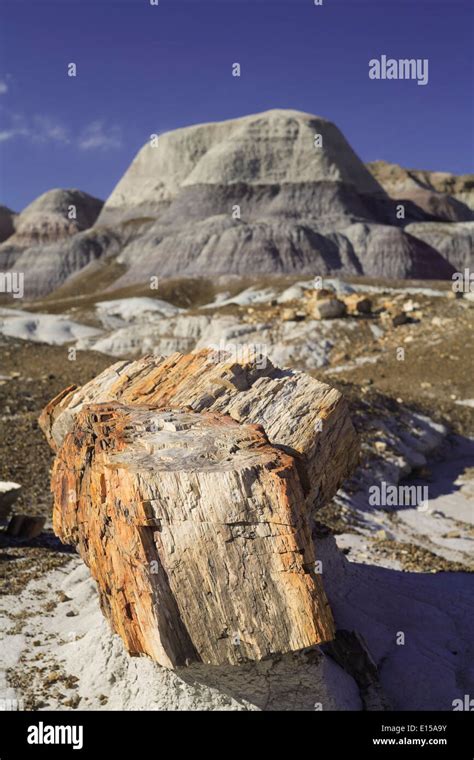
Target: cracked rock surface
(196,531)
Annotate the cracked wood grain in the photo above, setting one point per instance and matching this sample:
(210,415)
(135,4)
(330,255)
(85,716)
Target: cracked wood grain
(196,530)
(303,416)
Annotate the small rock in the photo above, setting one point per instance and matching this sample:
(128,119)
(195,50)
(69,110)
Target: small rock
(394,318)
(358,304)
(73,701)
(288,315)
(26,526)
(53,677)
(9,491)
(327,308)
(410,305)
(399,319)
(452,534)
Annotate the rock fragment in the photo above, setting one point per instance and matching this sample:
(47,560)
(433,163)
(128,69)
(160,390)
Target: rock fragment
(299,414)
(26,527)
(9,492)
(329,308)
(196,531)
(358,303)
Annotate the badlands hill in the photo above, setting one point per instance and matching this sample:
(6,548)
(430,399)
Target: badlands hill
(6,223)
(281,192)
(45,241)
(49,219)
(399,183)
(263,151)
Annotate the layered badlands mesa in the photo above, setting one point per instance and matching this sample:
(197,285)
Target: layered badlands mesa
(281,191)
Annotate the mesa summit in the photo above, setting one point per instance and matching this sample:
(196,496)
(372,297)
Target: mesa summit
(404,68)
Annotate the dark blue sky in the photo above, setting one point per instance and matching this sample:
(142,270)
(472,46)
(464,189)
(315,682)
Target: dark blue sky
(144,69)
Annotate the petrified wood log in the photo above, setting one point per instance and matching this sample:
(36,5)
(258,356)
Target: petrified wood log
(305,417)
(196,530)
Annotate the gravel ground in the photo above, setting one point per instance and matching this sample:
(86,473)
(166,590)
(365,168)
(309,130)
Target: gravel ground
(434,376)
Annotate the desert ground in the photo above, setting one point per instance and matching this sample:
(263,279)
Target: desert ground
(405,367)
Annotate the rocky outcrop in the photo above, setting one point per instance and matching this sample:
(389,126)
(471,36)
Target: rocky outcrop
(259,195)
(280,192)
(446,196)
(391,252)
(439,206)
(221,245)
(304,417)
(7,217)
(195,530)
(48,243)
(55,215)
(268,149)
(187,485)
(455,242)
(46,267)
(280,245)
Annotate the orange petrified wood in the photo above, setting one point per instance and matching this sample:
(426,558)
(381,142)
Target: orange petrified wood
(305,417)
(188,485)
(196,531)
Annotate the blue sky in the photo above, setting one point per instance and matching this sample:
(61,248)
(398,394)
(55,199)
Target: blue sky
(144,69)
